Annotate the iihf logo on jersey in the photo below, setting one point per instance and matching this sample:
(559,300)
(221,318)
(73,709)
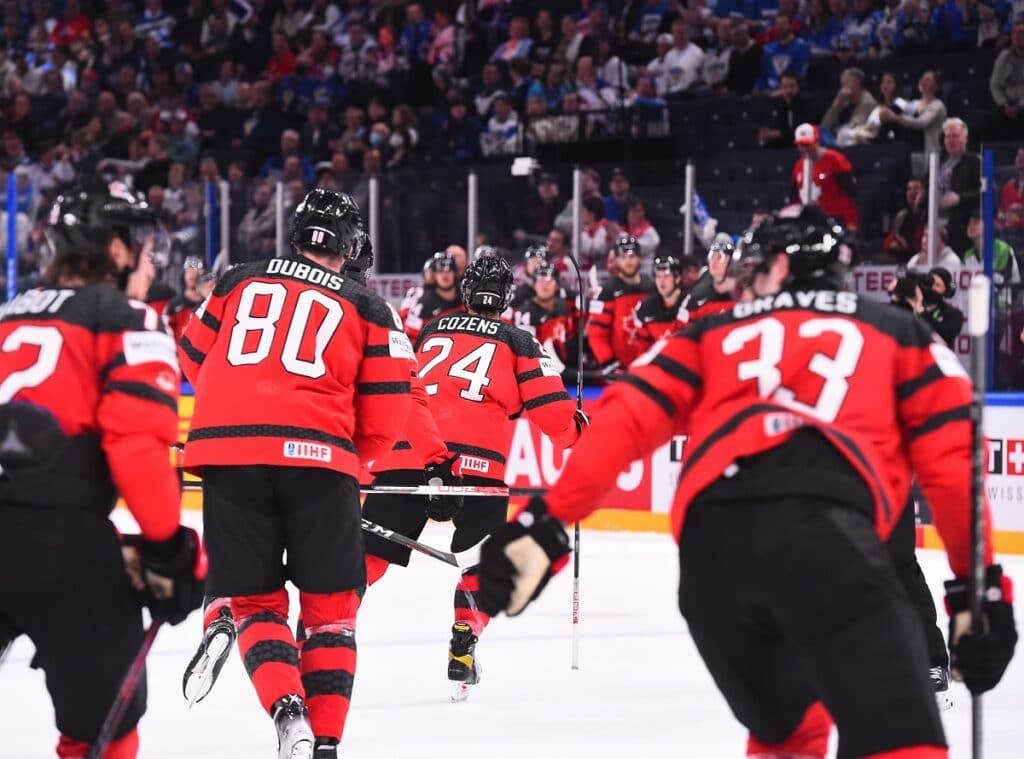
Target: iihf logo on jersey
(297,449)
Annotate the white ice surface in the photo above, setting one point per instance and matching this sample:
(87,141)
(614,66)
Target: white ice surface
(641,690)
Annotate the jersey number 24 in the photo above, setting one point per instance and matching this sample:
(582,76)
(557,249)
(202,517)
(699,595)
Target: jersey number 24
(472,367)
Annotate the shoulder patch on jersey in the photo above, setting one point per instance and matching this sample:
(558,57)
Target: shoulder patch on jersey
(596,306)
(114,312)
(370,306)
(145,347)
(946,360)
(399,345)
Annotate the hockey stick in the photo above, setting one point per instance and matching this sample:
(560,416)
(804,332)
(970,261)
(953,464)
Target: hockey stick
(577,196)
(977,326)
(124,694)
(467,558)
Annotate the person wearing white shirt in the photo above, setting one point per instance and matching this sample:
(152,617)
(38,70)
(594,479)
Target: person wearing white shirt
(684,62)
(657,69)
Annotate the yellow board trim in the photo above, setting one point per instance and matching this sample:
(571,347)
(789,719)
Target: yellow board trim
(1004,541)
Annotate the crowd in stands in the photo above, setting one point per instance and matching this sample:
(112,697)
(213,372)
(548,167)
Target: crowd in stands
(166,95)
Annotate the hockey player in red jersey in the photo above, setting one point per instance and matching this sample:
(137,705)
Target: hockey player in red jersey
(657,313)
(807,411)
(715,291)
(548,316)
(611,327)
(535,256)
(430,302)
(479,373)
(299,373)
(89,388)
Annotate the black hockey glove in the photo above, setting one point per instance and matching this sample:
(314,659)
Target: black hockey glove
(173,573)
(980,660)
(441,508)
(519,558)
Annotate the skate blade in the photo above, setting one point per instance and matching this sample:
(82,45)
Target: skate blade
(200,682)
(944,701)
(460,692)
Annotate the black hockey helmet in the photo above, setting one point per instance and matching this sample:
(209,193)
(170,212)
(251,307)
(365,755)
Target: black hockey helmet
(487,284)
(723,247)
(326,222)
(819,251)
(626,243)
(359,263)
(442,261)
(668,263)
(537,251)
(83,223)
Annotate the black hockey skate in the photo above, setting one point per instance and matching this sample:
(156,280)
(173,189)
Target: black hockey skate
(463,667)
(939,678)
(201,673)
(294,734)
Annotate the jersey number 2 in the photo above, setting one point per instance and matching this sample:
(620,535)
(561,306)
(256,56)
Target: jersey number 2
(246,323)
(49,341)
(479,359)
(835,371)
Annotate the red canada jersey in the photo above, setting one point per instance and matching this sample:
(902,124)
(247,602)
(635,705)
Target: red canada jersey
(481,374)
(701,301)
(421,305)
(553,329)
(826,191)
(294,365)
(612,327)
(105,370)
(422,443)
(653,319)
(871,378)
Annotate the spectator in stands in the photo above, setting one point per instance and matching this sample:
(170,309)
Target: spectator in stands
(945,256)
(816,28)
(318,133)
(683,64)
(182,147)
(916,33)
(649,112)
(573,41)
(1007,86)
(657,68)
(887,30)
(648,21)
(538,214)
(858,34)
(490,78)
(959,183)
(638,226)
(545,37)
(786,53)
(52,170)
(289,19)
(791,110)
(617,198)
(256,233)
(404,137)
(1011,199)
(322,16)
(552,89)
(925,115)
(590,186)
(716,57)
(155,169)
(833,185)
(289,148)
(461,133)
(596,233)
(835,27)
(518,43)
(501,136)
(594,93)
(846,120)
(442,43)
(1004,261)
(904,238)
(746,59)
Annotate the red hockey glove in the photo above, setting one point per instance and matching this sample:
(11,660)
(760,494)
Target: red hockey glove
(171,573)
(519,558)
(441,508)
(980,660)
